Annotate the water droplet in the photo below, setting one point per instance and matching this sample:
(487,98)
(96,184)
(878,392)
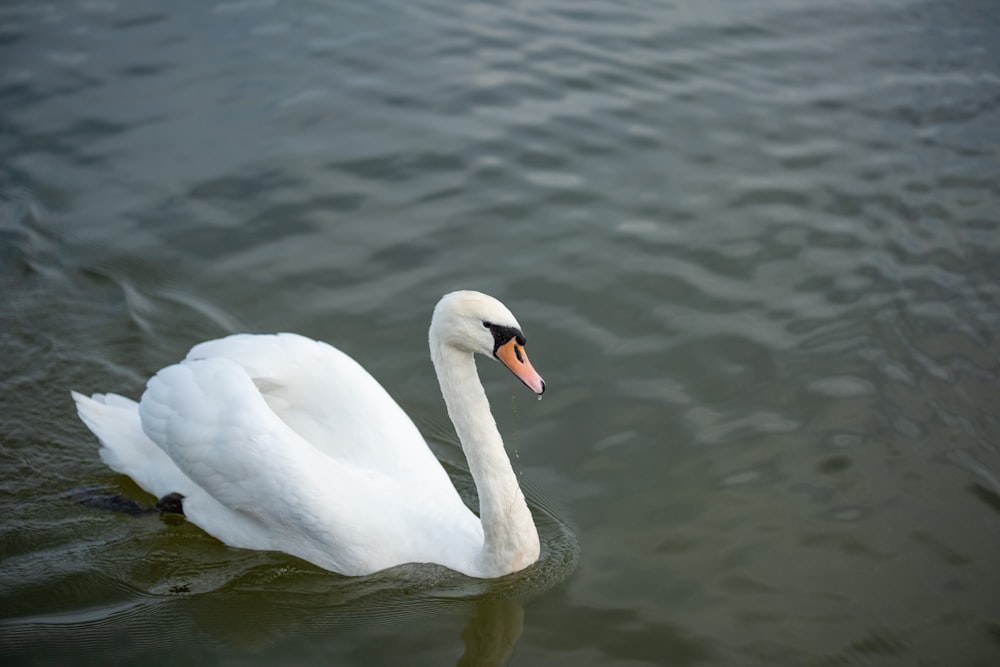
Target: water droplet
(539,397)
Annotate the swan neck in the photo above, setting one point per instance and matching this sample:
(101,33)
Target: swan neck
(510,537)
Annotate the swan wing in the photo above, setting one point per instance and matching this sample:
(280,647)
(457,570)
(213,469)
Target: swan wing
(333,509)
(207,416)
(330,400)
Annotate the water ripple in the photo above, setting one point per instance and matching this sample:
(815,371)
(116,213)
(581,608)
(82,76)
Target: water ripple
(754,246)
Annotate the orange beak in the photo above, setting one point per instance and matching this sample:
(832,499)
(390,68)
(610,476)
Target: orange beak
(515,358)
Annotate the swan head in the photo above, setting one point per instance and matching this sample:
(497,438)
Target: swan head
(477,323)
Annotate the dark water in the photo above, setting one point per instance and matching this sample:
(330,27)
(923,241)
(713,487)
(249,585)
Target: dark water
(754,246)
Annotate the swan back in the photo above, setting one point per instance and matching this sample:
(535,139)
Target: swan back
(326,397)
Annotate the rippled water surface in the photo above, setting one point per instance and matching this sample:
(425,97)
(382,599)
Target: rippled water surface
(755,247)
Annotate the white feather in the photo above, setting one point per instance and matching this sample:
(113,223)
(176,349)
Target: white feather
(280,442)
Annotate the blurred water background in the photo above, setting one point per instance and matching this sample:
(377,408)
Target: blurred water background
(754,246)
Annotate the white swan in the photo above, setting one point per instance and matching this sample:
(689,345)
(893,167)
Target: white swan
(279,442)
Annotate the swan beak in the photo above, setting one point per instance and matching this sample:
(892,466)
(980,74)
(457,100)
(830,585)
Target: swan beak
(515,358)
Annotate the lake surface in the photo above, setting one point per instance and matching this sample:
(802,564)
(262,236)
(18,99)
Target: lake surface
(754,246)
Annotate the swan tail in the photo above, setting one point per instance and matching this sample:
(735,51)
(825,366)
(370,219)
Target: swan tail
(125,448)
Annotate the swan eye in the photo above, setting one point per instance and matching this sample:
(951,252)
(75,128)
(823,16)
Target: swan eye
(487,324)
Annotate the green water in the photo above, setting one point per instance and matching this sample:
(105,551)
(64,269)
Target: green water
(754,247)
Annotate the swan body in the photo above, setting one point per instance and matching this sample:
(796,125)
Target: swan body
(279,442)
